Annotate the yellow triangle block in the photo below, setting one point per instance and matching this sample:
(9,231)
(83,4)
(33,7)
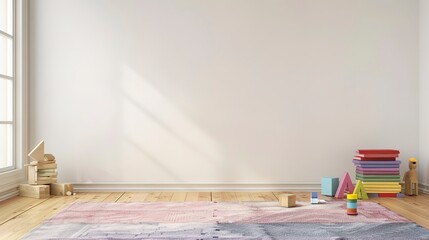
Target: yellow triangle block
(360,190)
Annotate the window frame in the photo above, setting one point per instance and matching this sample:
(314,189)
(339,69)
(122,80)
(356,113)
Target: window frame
(9,180)
(13,79)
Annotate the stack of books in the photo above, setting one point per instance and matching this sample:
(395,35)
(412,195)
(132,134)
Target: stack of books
(378,170)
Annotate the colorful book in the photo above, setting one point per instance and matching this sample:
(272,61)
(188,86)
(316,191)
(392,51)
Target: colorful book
(382,186)
(377,173)
(388,191)
(387,194)
(397,162)
(377,151)
(378,179)
(370,155)
(376,166)
(378,183)
(377,169)
(374,159)
(379,176)
(380,189)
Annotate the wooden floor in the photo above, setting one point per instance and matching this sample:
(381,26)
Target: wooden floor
(19,215)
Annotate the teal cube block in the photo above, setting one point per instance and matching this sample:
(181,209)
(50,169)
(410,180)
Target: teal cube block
(329,186)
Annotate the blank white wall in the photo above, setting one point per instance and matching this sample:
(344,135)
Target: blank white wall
(424,93)
(245,91)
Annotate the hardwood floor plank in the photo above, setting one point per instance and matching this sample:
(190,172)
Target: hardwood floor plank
(133,197)
(243,196)
(93,197)
(256,196)
(165,196)
(205,196)
(229,197)
(179,197)
(17,205)
(269,196)
(153,197)
(113,197)
(217,197)
(191,197)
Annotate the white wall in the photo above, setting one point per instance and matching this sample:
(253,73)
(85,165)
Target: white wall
(219,91)
(423,167)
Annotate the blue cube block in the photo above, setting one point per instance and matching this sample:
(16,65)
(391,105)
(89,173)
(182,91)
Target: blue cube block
(329,186)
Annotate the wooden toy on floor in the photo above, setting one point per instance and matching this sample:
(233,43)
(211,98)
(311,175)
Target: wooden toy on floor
(329,186)
(352,204)
(360,190)
(287,200)
(61,189)
(410,178)
(37,154)
(345,186)
(34,191)
(314,199)
(41,171)
(42,168)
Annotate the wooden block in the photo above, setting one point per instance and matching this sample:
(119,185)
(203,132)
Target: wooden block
(62,189)
(329,186)
(49,157)
(287,200)
(34,191)
(42,173)
(37,154)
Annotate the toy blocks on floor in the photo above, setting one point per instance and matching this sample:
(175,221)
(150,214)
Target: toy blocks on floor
(61,189)
(360,191)
(287,200)
(314,199)
(34,191)
(345,186)
(329,186)
(42,171)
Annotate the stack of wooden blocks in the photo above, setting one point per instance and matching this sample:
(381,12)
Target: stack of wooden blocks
(42,176)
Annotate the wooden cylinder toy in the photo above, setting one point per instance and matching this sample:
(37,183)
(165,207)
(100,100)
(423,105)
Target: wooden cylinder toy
(352,204)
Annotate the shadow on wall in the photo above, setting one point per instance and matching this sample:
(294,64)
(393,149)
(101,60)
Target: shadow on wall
(165,139)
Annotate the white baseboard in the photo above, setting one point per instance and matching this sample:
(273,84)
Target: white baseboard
(424,188)
(129,187)
(8,194)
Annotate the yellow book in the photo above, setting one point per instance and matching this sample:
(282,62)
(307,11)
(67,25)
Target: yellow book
(382,186)
(383,183)
(388,191)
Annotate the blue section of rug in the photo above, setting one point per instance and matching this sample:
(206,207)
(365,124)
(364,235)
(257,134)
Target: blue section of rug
(231,231)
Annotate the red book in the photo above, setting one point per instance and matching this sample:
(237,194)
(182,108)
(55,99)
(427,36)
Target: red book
(374,159)
(387,194)
(377,155)
(377,151)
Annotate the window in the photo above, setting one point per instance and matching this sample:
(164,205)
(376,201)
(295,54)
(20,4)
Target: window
(13,95)
(7,85)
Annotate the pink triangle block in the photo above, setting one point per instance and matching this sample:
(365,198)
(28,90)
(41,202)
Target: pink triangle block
(345,185)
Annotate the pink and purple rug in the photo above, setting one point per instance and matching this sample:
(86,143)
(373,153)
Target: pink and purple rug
(212,220)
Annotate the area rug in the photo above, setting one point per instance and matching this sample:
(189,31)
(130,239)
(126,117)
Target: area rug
(222,220)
